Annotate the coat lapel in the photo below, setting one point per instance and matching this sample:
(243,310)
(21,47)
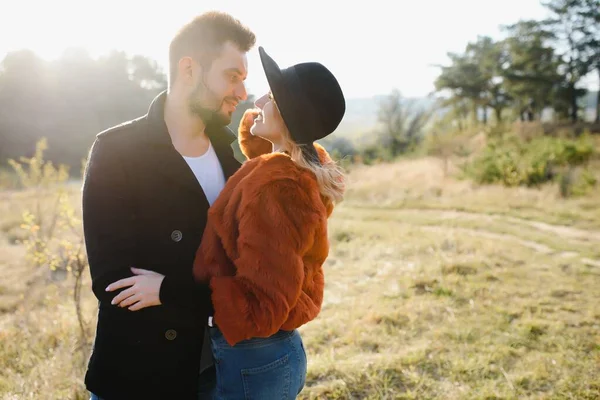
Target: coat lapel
(221,140)
(171,165)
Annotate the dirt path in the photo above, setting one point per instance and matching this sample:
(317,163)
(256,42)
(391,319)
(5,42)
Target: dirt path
(561,230)
(582,235)
(539,247)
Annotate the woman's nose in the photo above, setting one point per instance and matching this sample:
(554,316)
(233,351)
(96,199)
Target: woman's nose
(260,102)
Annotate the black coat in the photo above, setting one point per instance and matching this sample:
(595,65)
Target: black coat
(144,208)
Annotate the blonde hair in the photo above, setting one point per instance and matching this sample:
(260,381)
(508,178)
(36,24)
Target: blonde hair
(330,176)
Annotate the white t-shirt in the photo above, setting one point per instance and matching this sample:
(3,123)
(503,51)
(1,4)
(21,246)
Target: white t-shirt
(209,173)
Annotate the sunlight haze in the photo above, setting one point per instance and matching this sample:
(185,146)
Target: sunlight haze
(371,47)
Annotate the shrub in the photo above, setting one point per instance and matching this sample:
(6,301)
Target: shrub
(52,232)
(512,161)
(446,145)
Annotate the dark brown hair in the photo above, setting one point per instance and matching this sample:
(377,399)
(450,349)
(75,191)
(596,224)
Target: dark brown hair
(203,38)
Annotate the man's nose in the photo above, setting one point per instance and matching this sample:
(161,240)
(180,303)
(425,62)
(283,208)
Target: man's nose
(241,92)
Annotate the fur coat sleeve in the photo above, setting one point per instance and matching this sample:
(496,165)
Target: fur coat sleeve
(250,145)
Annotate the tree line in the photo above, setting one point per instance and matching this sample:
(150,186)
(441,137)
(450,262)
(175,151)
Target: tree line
(538,66)
(71,99)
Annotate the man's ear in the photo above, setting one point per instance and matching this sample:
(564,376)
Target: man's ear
(186,69)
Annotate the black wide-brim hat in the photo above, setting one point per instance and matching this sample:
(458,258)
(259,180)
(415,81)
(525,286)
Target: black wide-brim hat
(309,99)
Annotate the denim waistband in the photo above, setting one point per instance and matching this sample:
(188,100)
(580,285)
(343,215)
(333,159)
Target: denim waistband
(218,338)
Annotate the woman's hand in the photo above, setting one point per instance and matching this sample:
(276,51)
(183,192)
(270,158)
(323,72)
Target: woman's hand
(144,291)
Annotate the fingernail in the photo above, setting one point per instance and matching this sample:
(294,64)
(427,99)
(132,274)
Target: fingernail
(107,288)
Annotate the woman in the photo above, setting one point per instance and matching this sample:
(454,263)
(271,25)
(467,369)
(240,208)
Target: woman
(266,237)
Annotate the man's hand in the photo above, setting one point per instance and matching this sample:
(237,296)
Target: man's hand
(144,291)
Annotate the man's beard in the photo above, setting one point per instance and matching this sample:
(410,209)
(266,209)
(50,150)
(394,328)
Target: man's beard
(201,95)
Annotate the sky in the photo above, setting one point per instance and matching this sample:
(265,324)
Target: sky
(371,46)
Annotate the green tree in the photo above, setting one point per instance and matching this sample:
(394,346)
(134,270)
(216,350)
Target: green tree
(590,15)
(530,68)
(567,24)
(476,77)
(488,55)
(464,79)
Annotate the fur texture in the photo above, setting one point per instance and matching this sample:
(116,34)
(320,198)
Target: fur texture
(251,146)
(265,243)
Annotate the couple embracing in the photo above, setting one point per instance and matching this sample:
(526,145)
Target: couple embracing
(204,267)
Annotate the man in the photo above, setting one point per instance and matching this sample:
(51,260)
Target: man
(147,188)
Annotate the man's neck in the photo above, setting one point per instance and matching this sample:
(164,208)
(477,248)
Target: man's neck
(186,130)
(182,125)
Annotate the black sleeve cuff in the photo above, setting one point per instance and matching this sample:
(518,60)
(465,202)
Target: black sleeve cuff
(182,292)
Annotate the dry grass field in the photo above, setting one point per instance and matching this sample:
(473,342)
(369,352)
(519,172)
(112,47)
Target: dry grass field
(435,288)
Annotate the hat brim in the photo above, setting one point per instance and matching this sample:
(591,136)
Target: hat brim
(274,75)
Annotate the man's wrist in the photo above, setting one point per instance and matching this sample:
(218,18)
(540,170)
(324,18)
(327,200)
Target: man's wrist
(165,294)
(181,292)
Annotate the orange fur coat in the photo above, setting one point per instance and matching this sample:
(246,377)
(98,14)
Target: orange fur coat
(265,243)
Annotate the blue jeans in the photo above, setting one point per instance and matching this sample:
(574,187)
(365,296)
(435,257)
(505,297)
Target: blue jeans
(259,368)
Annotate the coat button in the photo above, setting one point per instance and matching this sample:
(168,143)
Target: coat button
(171,334)
(176,235)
